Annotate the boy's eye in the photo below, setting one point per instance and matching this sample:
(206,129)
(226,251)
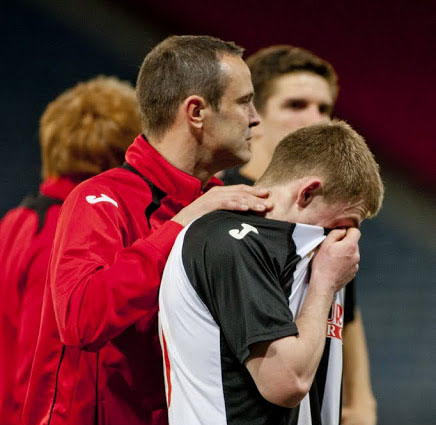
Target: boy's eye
(325,109)
(297,104)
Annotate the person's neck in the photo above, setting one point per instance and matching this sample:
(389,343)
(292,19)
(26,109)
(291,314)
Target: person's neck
(260,159)
(284,199)
(183,152)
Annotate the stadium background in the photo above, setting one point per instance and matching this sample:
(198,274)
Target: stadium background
(384,55)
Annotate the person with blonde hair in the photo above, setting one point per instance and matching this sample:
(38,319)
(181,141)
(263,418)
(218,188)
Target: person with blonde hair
(87,129)
(251,333)
(84,131)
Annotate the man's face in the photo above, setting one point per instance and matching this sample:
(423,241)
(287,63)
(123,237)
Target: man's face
(228,131)
(298,99)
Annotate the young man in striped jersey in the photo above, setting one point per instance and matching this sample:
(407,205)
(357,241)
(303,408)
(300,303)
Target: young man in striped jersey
(295,88)
(249,335)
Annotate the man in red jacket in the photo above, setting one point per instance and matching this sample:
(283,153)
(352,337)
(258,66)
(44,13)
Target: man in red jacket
(84,131)
(102,364)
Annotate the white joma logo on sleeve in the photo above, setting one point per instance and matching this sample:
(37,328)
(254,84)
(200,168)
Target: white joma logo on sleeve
(239,234)
(92,199)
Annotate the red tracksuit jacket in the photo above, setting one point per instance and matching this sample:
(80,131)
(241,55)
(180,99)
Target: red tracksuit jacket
(26,237)
(102,363)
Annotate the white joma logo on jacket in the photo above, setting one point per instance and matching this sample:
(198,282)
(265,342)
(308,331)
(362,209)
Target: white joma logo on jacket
(92,199)
(239,234)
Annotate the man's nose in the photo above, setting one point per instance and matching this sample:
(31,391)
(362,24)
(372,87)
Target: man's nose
(254,118)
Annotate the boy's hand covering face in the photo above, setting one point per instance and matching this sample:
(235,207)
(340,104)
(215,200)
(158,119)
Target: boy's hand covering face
(337,260)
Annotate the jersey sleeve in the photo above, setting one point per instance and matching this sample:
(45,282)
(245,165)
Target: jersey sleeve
(239,280)
(101,283)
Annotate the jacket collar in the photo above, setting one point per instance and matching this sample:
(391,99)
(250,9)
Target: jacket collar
(57,187)
(152,165)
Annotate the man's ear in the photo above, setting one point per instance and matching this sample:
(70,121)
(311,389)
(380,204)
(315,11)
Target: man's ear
(195,107)
(308,191)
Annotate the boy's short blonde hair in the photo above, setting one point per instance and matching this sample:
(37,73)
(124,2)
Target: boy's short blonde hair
(335,152)
(88,128)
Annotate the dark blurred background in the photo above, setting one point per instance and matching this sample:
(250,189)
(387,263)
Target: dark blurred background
(384,53)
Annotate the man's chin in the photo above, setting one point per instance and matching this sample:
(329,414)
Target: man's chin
(240,160)
(246,156)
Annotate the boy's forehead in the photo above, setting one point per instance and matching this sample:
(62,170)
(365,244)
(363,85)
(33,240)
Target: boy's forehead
(352,211)
(301,83)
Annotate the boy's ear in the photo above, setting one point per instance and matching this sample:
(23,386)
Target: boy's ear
(308,191)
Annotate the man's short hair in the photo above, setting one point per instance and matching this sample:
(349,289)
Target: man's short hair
(176,68)
(334,152)
(87,129)
(272,62)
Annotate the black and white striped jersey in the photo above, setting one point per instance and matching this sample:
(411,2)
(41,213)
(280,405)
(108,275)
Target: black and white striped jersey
(234,279)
